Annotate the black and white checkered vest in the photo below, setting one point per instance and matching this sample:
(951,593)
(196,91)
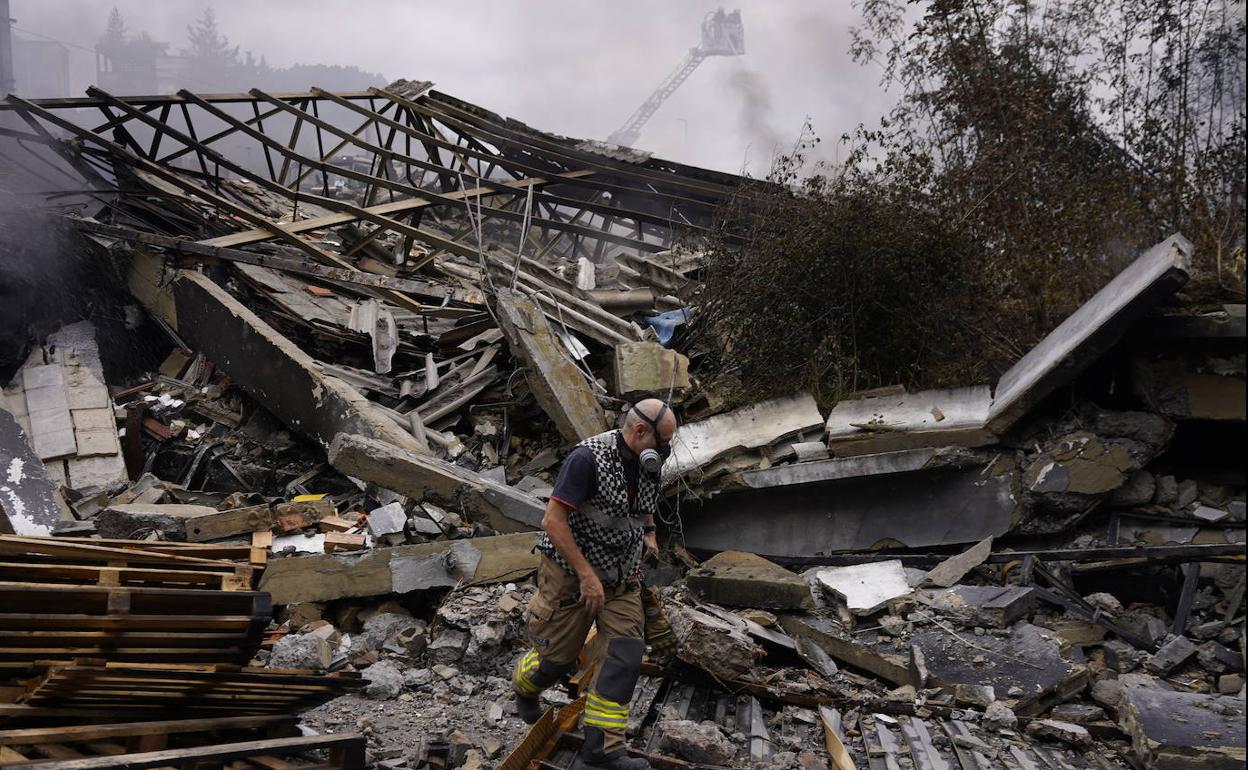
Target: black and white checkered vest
(606,529)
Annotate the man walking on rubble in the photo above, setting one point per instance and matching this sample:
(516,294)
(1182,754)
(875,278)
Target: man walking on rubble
(598,526)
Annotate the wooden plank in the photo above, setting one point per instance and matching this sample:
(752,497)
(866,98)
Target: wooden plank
(229,578)
(351,746)
(54,547)
(838,755)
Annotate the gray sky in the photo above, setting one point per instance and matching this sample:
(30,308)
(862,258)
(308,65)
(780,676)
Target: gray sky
(575,67)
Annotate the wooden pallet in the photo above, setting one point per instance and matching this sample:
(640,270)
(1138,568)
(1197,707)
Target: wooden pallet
(238,743)
(62,622)
(235,552)
(134,688)
(104,562)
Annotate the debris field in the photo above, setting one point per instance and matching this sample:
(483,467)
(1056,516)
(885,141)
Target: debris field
(294,527)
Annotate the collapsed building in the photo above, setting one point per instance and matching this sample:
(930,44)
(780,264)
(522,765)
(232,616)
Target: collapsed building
(373,322)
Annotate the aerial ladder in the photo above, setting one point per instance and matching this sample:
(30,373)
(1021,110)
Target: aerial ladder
(722,35)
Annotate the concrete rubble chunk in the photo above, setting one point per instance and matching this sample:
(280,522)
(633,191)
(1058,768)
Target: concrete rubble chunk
(446,569)
(703,743)
(298,651)
(1072,734)
(954,568)
(1172,654)
(135,521)
(712,643)
(740,579)
(387,519)
(1184,729)
(865,588)
(998,716)
(988,606)
(557,384)
(647,369)
(385,681)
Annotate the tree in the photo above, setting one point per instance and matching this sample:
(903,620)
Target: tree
(115,33)
(208,43)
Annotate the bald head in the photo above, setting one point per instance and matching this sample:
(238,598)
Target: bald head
(639,433)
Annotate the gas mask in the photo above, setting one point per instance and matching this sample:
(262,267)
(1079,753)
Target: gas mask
(652,459)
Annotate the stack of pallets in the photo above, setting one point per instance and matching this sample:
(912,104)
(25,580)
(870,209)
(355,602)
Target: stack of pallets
(266,742)
(98,638)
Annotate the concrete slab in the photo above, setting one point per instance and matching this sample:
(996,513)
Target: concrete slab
(421,477)
(1029,658)
(954,568)
(557,384)
(752,427)
(1090,330)
(740,579)
(927,418)
(1183,729)
(27,495)
(865,588)
(135,521)
(325,577)
(942,505)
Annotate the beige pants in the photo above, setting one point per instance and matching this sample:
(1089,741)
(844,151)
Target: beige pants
(558,626)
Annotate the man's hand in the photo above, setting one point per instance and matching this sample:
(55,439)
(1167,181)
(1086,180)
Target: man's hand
(650,542)
(592,595)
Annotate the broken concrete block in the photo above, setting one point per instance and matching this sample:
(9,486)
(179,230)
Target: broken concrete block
(865,588)
(387,519)
(1188,491)
(1167,491)
(989,606)
(725,651)
(1184,730)
(954,568)
(1230,684)
(1107,692)
(1071,734)
(1137,490)
(449,645)
(1120,656)
(135,521)
(647,369)
(740,579)
(298,651)
(289,518)
(385,681)
(998,716)
(703,743)
(1173,654)
(1217,659)
(977,695)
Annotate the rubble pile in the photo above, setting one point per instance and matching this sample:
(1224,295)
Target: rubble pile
(369,369)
